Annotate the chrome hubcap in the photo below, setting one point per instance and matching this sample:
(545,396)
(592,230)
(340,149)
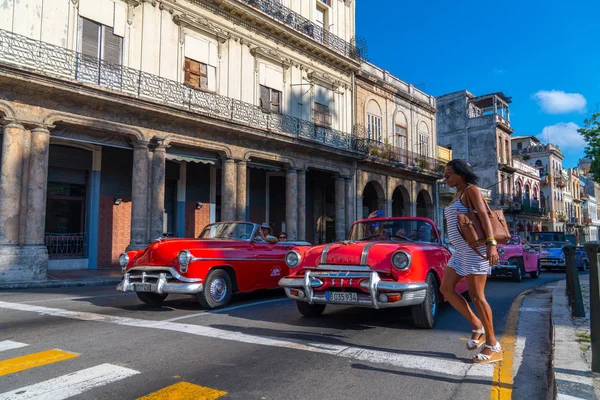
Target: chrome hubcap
(218,290)
(433,299)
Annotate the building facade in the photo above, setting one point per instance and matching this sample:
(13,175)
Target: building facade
(547,159)
(523,211)
(128,120)
(395,128)
(477,129)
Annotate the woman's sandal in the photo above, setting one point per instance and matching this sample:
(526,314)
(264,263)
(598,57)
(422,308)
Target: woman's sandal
(473,344)
(494,357)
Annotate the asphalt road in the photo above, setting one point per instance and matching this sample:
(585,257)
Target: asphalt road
(257,348)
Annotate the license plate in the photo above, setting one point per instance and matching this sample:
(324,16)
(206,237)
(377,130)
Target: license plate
(341,297)
(142,287)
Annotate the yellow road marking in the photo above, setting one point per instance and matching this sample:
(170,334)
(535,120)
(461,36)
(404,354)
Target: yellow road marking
(185,390)
(17,364)
(502,384)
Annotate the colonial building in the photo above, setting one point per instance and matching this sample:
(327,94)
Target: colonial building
(522,208)
(589,204)
(128,120)
(477,129)
(396,128)
(547,159)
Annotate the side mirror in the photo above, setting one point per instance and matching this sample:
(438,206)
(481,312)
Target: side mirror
(272,239)
(446,241)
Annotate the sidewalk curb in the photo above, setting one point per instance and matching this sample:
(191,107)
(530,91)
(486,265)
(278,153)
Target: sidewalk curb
(59,284)
(570,375)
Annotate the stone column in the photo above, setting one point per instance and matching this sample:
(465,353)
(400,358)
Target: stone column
(157,205)
(139,196)
(301,204)
(350,216)
(228,191)
(11,175)
(38,184)
(242,191)
(359,196)
(340,209)
(413,209)
(291,204)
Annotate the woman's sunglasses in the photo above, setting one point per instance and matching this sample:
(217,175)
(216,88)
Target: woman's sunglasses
(282,237)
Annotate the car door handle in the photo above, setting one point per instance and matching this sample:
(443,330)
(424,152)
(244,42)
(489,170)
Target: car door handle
(287,246)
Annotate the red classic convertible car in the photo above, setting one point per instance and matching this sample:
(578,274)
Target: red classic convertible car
(386,262)
(227,257)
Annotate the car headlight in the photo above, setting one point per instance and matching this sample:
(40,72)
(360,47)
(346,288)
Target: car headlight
(292,259)
(401,260)
(123,261)
(501,251)
(562,256)
(185,258)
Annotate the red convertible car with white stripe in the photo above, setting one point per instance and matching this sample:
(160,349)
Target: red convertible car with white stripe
(227,257)
(386,262)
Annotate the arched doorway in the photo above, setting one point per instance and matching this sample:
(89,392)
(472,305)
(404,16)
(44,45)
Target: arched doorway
(400,202)
(424,205)
(373,199)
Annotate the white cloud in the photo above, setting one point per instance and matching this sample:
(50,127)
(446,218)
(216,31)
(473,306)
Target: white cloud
(559,102)
(564,135)
(499,71)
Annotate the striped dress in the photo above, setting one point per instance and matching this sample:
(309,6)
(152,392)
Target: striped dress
(464,260)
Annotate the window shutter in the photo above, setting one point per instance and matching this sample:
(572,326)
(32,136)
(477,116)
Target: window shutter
(186,69)
(203,77)
(265,98)
(112,47)
(275,100)
(90,38)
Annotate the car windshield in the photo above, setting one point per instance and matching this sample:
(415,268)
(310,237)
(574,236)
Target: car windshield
(553,245)
(539,237)
(227,230)
(394,230)
(514,240)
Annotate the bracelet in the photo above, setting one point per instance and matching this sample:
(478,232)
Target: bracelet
(491,242)
(491,238)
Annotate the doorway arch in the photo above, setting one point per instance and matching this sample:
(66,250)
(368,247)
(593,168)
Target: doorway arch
(424,204)
(373,199)
(400,202)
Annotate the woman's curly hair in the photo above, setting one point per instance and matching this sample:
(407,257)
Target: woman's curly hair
(463,168)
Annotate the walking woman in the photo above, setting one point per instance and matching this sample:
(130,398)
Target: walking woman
(465,262)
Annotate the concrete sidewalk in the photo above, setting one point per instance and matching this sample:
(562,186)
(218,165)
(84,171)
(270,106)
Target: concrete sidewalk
(69,278)
(572,356)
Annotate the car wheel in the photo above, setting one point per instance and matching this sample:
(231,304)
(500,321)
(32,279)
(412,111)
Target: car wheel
(518,274)
(310,310)
(153,299)
(536,274)
(424,315)
(217,290)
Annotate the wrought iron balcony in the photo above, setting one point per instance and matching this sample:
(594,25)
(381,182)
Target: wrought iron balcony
(398,155)
(303,25)
(21,52)
(516,204)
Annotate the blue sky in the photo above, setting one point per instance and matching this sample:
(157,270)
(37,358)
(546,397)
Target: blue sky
(542,53)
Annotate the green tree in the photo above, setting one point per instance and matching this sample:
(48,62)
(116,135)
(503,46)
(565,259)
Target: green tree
(591,135)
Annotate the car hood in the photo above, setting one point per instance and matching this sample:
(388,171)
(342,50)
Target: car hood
(551,252)
(377,254)
(164,252)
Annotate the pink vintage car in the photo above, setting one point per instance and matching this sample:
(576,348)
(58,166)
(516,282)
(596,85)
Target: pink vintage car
(517,258)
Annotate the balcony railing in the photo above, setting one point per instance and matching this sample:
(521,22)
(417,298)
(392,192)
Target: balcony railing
(66,245)
(519,204)
(28,54)
(301,24)
(401,156)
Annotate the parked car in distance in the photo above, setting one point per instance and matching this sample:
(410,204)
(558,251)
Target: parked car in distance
(552,255)
(535,239)
(581,259)
(386,262)
(516,259)
(227,257)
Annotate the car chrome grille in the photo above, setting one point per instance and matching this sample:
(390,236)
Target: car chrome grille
(149,277)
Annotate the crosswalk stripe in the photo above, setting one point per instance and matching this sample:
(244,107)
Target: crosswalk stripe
(185,390)
(9,345)
(22,363)
(70,385)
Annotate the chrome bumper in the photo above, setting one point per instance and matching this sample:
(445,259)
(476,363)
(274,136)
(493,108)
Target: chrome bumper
(411,293)
(161,286)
